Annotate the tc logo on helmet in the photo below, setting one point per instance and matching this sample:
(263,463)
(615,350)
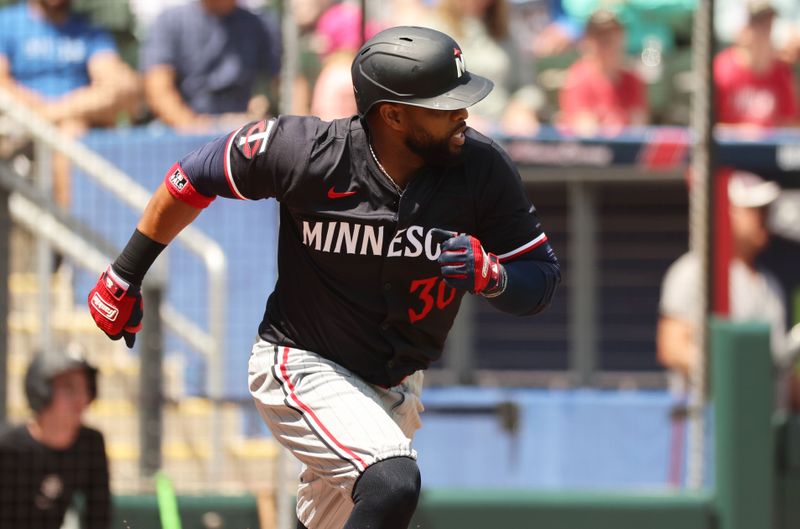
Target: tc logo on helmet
(460,67)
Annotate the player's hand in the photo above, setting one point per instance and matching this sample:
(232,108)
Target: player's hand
(467,266)
(117,307)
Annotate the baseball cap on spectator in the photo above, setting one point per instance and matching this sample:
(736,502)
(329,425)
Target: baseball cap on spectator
(748,190)
(339,29)
(601,21)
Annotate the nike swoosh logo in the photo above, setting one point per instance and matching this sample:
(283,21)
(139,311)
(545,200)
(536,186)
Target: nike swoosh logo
(337,194)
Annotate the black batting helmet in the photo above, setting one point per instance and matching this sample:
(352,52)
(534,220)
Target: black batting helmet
(45,366)
(415,66)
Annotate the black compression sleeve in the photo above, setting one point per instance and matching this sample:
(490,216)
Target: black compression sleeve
(136,259)
(531,285)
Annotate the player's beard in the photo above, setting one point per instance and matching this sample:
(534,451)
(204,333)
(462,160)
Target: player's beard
(434,152)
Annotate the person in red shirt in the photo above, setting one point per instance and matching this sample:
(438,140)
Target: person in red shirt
(754,87)
(600,94)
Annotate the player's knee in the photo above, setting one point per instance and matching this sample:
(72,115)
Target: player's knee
(391,485)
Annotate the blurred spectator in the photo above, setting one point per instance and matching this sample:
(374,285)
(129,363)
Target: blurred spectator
(600,95)
(730,16)
(482,28)
(755,294)
(754,86)
(329,31)
(202,62)
(65,69)
(338,33)
(306,13)
(543,28)
(339,29)
(332,96)
(146,12)
(50,461)
(651,24)
(405,12)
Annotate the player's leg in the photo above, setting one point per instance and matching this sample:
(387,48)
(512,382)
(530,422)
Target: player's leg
(386,494)
(339,427)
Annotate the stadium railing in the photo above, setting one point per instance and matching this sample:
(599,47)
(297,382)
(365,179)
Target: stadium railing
(47,138)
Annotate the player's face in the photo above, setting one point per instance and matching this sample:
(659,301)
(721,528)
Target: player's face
(71,396)
(436,136)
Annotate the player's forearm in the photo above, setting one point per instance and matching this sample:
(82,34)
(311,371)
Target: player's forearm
(162,220)
(530,287)
(165,216)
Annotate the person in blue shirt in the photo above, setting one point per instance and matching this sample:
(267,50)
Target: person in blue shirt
(202,62)
(55,62)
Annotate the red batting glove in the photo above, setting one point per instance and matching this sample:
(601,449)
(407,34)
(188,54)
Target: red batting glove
(117,307)
(467,266)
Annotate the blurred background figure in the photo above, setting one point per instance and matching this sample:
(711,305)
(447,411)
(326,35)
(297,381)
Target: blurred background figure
(755,87)
(56,63)
(306,14)
(543,28)
(730,16)
(206,63)
(481,27)
(405,12)
(652,25)
(47,463)
(600,94)
(755,294)
(338,33)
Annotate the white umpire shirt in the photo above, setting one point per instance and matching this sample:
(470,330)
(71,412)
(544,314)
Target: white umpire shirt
(754,296)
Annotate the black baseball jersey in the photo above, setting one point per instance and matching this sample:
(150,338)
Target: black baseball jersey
(358,280)
(38,484)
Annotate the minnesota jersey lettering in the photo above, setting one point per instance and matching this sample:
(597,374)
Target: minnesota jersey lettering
(364,239)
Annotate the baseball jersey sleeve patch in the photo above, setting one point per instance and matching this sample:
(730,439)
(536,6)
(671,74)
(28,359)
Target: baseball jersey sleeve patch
(242,147)
(525,248)
(180,187)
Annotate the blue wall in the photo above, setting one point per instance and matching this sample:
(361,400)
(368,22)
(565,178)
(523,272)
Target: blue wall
(247,232)
(566,439)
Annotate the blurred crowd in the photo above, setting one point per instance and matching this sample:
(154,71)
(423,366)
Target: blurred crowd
(586,66)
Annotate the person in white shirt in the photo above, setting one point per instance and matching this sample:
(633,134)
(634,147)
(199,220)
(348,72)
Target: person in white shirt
(755,294)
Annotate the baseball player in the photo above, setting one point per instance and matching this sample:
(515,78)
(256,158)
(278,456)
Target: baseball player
(53,458)
(387,220)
